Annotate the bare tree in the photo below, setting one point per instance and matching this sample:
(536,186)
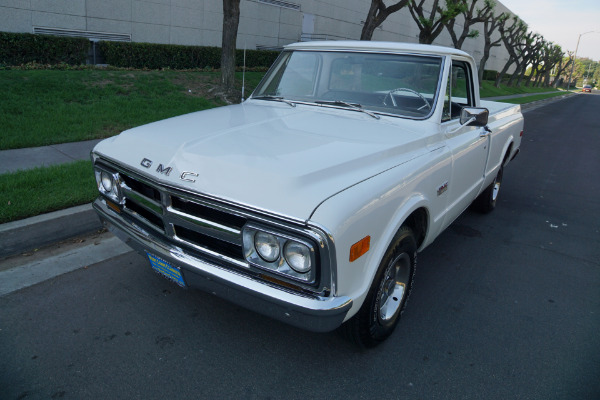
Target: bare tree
(550,55)
(378,12)
(489,27)
(471,16)
(511,37)
(231,19)
(555,56)
(531,46)
(431,26)
(562,68)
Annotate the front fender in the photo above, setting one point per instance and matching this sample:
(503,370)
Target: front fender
(377,208)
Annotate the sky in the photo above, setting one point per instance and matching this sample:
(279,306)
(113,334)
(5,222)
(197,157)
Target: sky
(562,21)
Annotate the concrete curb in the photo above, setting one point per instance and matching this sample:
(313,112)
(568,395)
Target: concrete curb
(35,232)
(537,104)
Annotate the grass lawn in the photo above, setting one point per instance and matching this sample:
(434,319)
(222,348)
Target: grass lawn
(487,89)
(529,99)
(42,107)
(27,193)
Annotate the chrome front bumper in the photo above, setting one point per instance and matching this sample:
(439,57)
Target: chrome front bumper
(318,314)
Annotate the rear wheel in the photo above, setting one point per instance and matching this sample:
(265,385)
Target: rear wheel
(381,310)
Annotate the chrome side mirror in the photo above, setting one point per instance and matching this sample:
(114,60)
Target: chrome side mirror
(474,116)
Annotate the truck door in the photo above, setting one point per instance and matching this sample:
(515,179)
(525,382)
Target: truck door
(469,144)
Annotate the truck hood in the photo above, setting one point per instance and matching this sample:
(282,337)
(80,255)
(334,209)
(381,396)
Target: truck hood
(268,156)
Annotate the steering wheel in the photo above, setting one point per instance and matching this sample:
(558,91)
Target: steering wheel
(391,92)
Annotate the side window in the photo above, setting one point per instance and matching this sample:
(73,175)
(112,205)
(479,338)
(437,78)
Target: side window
(459,91)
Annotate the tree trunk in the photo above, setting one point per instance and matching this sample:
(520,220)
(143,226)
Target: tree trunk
(378,12)
(231,19)
(370,22)
(538,78)
(425,37)
(486,55)
(514,76)
(522,74)
(368,29)
(547,79)
(503,72)
(561,69)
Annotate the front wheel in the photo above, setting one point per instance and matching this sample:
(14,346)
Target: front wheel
(381,310)
(486,201)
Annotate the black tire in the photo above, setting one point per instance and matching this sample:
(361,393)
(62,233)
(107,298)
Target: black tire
(486,201)
(389,292)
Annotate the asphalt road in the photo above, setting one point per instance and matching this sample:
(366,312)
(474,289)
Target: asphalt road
(505,306)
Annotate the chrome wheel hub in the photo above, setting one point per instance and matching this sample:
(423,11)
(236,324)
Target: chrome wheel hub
(394,287)
(496,190)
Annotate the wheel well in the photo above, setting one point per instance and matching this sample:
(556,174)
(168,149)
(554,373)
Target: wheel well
(417,221)
(505,160)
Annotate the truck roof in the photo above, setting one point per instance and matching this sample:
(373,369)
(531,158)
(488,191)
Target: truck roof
(364,45)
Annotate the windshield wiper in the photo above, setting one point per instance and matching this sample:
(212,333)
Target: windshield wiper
(353,106)
(275,98)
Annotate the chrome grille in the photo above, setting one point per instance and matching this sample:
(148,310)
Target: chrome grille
(212,230)
(200,225)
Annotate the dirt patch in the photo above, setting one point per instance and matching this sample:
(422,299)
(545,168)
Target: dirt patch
(101,83)
(206,86)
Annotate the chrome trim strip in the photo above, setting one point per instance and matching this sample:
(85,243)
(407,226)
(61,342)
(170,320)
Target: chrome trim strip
(204,226)
(141,218)
(211,253)
(328,242)
(142,201)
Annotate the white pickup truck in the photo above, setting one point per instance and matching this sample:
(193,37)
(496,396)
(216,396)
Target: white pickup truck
(309,201)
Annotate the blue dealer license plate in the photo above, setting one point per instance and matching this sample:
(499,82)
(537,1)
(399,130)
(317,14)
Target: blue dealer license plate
(166,269)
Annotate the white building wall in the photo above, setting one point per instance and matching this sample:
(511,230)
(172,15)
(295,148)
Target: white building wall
(199,22)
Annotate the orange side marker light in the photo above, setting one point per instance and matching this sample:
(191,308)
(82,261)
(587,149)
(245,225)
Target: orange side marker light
(359,248)
(115,207)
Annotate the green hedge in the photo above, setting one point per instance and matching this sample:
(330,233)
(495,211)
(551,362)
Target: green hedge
(22,48)
(158,56)
(489,75)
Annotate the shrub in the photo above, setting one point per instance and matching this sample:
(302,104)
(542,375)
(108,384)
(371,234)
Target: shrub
(159,56)
(23,48)
(489,75)
(256,58)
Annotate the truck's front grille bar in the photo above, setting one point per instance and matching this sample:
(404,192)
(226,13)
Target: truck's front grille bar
(201,240)
(200,225)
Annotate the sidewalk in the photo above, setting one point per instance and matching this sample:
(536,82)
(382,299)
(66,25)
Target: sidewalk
(23,235)
(13,160)
(31,233)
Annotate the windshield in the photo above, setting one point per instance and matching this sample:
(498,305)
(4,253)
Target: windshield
(404,85)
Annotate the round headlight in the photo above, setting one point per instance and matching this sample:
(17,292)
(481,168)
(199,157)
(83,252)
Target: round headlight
(107,181)
(267,246)
(297,256)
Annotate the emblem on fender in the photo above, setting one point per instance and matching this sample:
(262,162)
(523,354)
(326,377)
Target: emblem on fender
(442,189)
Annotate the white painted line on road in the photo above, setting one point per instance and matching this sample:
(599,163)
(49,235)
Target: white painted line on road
(29,274)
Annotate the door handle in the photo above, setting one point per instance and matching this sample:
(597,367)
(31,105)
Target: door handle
(485,131)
